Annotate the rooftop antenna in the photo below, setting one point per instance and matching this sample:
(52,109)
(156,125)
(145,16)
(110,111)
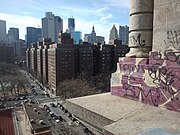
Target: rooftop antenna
(71,14)
(37,24)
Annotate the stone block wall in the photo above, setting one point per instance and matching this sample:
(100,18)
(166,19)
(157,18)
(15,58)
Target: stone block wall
(154,80)
(166,29)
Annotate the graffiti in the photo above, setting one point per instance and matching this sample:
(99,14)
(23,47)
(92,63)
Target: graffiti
(137,41)
(173,39)
(169,55)
(156,82)
(127,68)
(136,92)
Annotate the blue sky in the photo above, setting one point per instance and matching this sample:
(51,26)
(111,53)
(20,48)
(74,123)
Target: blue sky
(100,13)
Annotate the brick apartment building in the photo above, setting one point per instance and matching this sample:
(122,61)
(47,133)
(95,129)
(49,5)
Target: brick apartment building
(33,58)
(61,65)
(55,63)
(28,60)
(89,56)
(46,43)
(40,62)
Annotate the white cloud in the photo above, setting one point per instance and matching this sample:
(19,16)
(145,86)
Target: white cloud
(119,3)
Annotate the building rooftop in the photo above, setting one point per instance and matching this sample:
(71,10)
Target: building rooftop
(36,118)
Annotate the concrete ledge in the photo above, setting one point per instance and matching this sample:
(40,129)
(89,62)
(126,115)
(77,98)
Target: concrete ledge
(115,115)
(145,119)
(102,109)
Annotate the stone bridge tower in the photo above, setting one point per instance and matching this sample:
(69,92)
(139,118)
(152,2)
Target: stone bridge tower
(140,28)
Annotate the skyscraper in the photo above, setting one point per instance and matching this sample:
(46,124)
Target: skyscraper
(71,25)
(33,35)
(113,35)
(77,36)
(51,26)
(58,25)
(2,31)
(13,35)
(124,34)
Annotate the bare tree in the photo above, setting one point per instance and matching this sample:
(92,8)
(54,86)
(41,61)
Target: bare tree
(75,88)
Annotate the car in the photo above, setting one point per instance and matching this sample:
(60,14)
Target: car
(51,114)
(57,121)
(69,114)
(61,107)
(60,118)
(65,111)
(48,110)
(52,105)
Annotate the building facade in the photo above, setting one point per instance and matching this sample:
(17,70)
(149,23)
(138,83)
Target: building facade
(89,56)
(46,43)
(113,35)
(13,35)
(2,31)
(40,62)
(58,26)
(51,26)
(65,38)
(33,35)
(71,26)
(33,58)
(61,61)
(6,54)
(92,38)
(124,34)
(77,37)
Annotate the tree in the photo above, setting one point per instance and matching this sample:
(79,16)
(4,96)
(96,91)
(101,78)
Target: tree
(75,88)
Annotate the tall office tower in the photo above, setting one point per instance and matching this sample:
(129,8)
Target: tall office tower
(77,37)
(58,26)
(51,26)
(71,26)
(2,31)
(14,32)
(33,35)
(113,35)
(124,34)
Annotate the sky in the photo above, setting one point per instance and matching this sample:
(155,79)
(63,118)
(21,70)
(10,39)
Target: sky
(100,13)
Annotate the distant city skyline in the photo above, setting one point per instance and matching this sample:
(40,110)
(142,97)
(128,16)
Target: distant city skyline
(102,14)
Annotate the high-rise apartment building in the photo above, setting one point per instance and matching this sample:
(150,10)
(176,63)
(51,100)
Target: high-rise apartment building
(124,34)
(33,58)
(65,38)
(108,63)
(89,56)
(61,61)
(2,31)
(92,38)
(51,26)
(40,61)
(113,35)
(33,35)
